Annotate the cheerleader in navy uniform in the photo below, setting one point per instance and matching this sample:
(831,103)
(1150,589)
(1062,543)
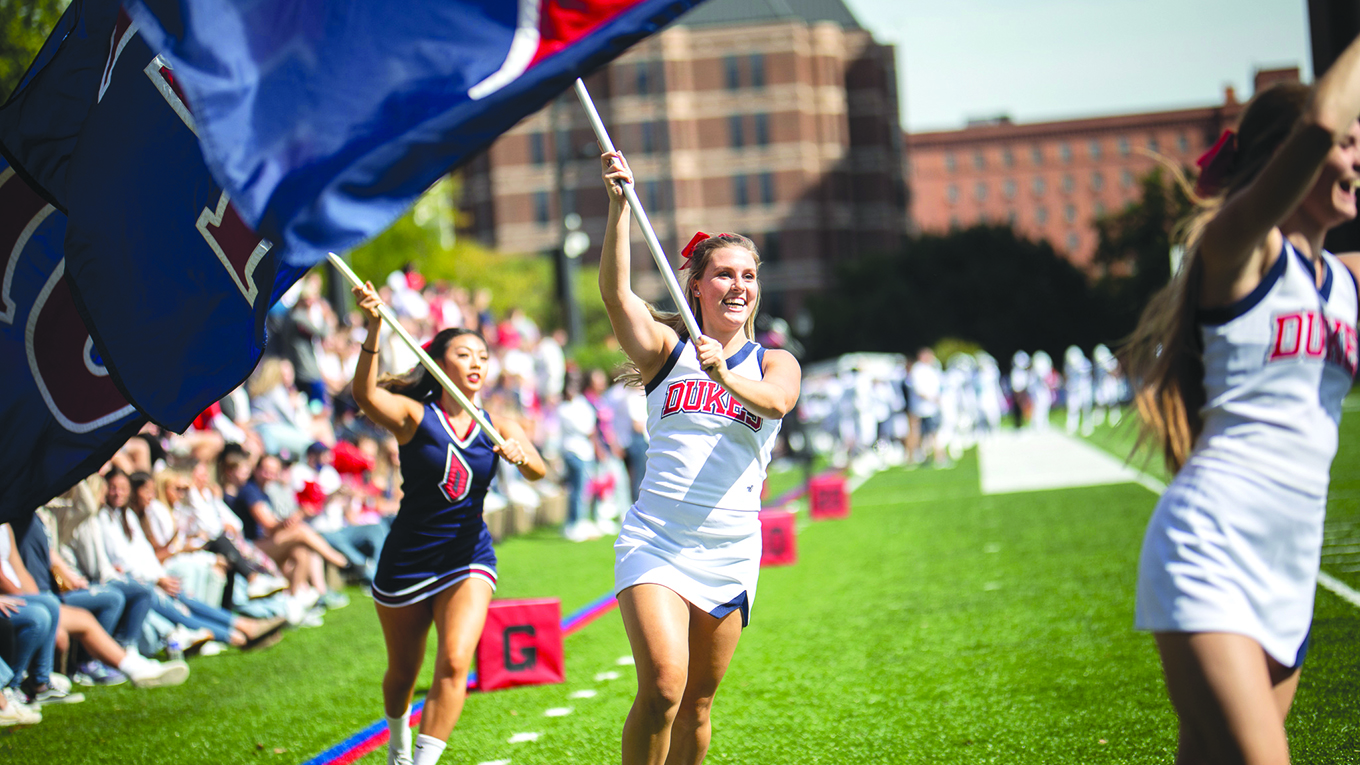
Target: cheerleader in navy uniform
(687,557)
(437,565)
(1242,363)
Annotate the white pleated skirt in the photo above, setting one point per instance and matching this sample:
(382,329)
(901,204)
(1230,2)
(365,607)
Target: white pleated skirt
(1230,552)
(709,557)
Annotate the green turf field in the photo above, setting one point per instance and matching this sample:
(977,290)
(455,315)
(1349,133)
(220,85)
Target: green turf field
(934,625)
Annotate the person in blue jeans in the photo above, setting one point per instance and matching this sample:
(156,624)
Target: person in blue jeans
(580,446)
(119,607)
(34,621)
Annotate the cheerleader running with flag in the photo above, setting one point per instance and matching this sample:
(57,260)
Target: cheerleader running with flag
(437,565)
(688,555)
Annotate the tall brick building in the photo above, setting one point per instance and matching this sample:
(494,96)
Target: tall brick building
(1051,180)
(778,120)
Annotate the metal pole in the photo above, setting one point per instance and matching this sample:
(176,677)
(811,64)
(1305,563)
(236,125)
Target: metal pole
(424,357)
(653,244)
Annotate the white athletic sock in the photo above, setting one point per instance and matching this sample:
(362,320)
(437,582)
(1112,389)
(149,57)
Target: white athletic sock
(428,749)
(399,745)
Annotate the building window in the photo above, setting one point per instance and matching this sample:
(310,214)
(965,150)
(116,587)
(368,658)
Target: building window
(1099,209)
(1073,241)
(762,130)
(979,161)
(541,210)
(757,70)
(766,189)
(736,133)
(652,192)
(1124,147)
(537,150)
(739,196)
(949,163)
(1068,184)
(1183,143)
(952,193)
(980,191)
(562,145)
(1039,186)
(1010,217)
(733,71)
(648,138)
(1041,215)
(1152,144)
(1009,188)
(1094,149)
(1126,178)
(1070,213)
(1007,157)
(1097,180)
(954,222)
(770,253)
(1036,155)
(1065,152)
(643,86)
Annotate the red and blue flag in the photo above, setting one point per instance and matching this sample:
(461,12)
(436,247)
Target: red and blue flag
(325,120)
(171,171)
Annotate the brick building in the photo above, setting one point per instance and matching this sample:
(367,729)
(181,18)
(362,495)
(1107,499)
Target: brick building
(1051,180)
(778,120)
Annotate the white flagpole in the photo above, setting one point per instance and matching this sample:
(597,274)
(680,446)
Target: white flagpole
(653,244)
(425,360)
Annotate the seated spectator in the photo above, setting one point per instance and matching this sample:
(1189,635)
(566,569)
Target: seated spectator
(80,540)
(201,514)
(289,541)
(183,559)
(337,511)
(278,411)
(107,604)
(129,550)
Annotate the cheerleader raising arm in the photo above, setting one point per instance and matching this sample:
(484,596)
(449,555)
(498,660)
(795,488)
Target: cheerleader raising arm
(399,415)
(1240,242)
(773,396)
(646,341)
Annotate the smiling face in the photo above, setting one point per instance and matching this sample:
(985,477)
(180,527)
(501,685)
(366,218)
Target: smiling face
(1331,201)
(727,290)
(465,362)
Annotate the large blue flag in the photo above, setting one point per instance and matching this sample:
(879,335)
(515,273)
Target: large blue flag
(325,120)
(60,415)
(113,225)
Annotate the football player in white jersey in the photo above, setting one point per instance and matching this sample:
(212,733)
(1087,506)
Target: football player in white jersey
(688,554)
(1242,362)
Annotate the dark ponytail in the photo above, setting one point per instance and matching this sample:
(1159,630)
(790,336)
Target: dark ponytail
(417,383)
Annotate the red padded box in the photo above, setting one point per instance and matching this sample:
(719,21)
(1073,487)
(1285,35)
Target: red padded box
(779,545)
(521,644)
(827,497)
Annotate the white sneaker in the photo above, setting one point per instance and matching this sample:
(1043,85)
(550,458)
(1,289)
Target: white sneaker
(607,527)
(212,648)
(16,713)
(573,532)
(60,682)
(264,585)
(158,674)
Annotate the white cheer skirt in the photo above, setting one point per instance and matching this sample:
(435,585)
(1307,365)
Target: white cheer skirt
(1228,552)
(709,557)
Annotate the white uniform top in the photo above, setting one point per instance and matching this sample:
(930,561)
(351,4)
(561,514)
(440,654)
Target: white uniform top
(706,448)
(1276,366)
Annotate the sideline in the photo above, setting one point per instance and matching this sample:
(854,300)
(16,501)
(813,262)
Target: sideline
(376,734)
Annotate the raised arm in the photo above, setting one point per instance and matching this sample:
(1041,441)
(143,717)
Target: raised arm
(1241,241)
(646,341)
(398,414)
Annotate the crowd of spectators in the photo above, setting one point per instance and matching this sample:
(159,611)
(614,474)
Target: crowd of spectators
(243,526)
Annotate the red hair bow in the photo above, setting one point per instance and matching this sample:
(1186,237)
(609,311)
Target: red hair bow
(1216,164)
(688,251)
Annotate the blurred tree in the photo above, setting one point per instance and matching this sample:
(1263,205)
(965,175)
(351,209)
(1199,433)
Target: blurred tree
(1134,251)
(983,285)
(24,26)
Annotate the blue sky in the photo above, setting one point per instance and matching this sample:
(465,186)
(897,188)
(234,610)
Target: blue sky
(1051,59)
